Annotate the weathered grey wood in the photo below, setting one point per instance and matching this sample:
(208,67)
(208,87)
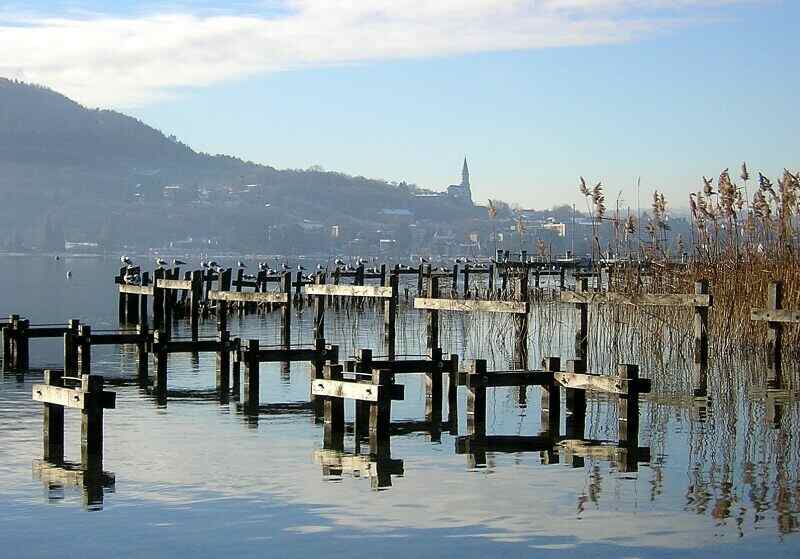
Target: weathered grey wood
(600,383)
(286,311)
(92,422)
(551,399)
(71,397)
(53,427)
(135,289)
(84,349)
(350,290)
(333,409)
(639,299)
(511,378)
(174,284)
(319,309)
(476,398)
(380,411)
(158,300)
(390,313)
(628,407)
(251,377)
(471,305)
(248,297)
(356,390)
(765,315)
(296,354)
(774,336)
(582,323)
(433,314)
(700,356)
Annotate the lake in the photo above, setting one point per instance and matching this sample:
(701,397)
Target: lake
(197,477)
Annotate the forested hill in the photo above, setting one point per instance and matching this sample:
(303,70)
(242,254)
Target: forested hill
(93,173)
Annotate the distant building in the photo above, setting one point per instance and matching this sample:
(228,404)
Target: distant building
(462,191)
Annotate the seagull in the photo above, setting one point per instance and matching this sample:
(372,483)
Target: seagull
(300,268)
(125,260)
(213,264)
(319,267)
(241,264)
(161,262)
(203,264)
(423,260)
(58,257)
(285,266)
(69,274)
(249,276)
(339,262)
(176,262)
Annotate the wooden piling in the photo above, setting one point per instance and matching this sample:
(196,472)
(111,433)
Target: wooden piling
(576,403)
(380,413)
(390,314)
(143,313)
(122,297)
(160,350)
(434,388)
(92,423)
(251,375)
(53,431)
(476,399)
(194,302)
(286,312)
(433,314)
(701,341)
(319,308)
(223,365)
(141,351)
(551,400)
(364,367)
(84,349)
(582,323)
(774,337)
(158,300)
(334,409)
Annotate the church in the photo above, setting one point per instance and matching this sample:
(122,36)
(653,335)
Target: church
(461,191)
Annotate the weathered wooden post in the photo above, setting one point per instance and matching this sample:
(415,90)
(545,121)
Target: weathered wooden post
(92,423)
(224,282)
(576,403)
(334,410)
(286,312)
(251,375)
(132,312)
(237,368)
(774,336)
(160,350)
(562,277)
(628,407)
(466,281)
(420,279)
(84,356)
(520,360)
(454,280)
(490,284)
(158,300)
(319,308)
(476,399)
(194,303)
(433,315)
(551,400)
(224,365)
(22,345)
(169,306)
(434,388)
(582,322)
(141,350)
(390,314)
(318,366)
(380,412)
(701,341)
(364,367)
(143,318)
(53,434)
(122,305)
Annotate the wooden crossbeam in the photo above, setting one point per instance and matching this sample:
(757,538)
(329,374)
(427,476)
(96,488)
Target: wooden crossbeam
(174,284)
(503,443)
(511,378)
(251,297)
(350,463)
(649,299)
(298,354)
(48,332)
(190,347)
(136,289)
(778,315)
(356,390)
(350,291)
(121,339)
(602,383)
(71,397)
(470,305)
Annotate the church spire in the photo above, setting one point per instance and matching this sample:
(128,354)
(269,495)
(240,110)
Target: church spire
(465,174)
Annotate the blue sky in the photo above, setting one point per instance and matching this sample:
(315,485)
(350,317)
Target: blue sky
(534,92)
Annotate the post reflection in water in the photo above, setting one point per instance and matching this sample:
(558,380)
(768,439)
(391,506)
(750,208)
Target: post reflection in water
(92,483)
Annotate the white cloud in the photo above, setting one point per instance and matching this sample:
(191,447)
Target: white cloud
(123,61)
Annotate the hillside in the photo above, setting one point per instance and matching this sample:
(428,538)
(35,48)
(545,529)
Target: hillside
(68,172)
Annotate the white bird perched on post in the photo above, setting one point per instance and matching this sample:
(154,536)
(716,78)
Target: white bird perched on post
(176,262)
(241,264)
(125,260)
(161,262)
(203,264)
(300,268)
(69,274)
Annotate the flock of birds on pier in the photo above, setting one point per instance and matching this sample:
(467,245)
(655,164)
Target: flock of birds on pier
(132,276)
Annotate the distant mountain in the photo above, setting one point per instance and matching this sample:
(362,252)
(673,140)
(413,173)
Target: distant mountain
(83,174)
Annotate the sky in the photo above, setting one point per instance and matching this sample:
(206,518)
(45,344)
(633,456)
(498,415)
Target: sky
(535,93)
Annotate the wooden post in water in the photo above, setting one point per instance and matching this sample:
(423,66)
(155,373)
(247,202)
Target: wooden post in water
(774,337)
(122,297)
(433,315)
(476,399)
(319,309)
(224,282)
(520,360)
(551,400)
(92,423)
(318,366)
(434,388)
(194,303)
(84,356)
(143,318)
(466,281)
(224,365)
(141,350)
(160,350)
(334,410)
(22,345)
(701,342)
(576,403)
(420,279)
(132,313)
(71,348)
(251,374)
(452,394)
(53,432)
(237,369)
(582,323)
(364,367)
(158,300)
(390,314)
(490,284)
(286,312)
(380,413)
(628,407)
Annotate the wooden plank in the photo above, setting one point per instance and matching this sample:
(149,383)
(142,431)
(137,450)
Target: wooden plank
(601,383)
(649,299)
(174,284)
(354,390)
(70,397)
(136,289)
(602,450)
(280,355)
(512,378)
(251,297)
(49,332)
(774,316)
(350,290)
(517,307)
(117,339)
(191,347)
(503,443)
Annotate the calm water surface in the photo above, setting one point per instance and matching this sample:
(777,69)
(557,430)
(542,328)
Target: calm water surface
(199,477)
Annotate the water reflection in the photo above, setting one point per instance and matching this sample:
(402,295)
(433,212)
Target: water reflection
(92,483)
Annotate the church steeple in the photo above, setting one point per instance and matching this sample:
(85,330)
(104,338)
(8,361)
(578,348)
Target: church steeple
(465,174)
